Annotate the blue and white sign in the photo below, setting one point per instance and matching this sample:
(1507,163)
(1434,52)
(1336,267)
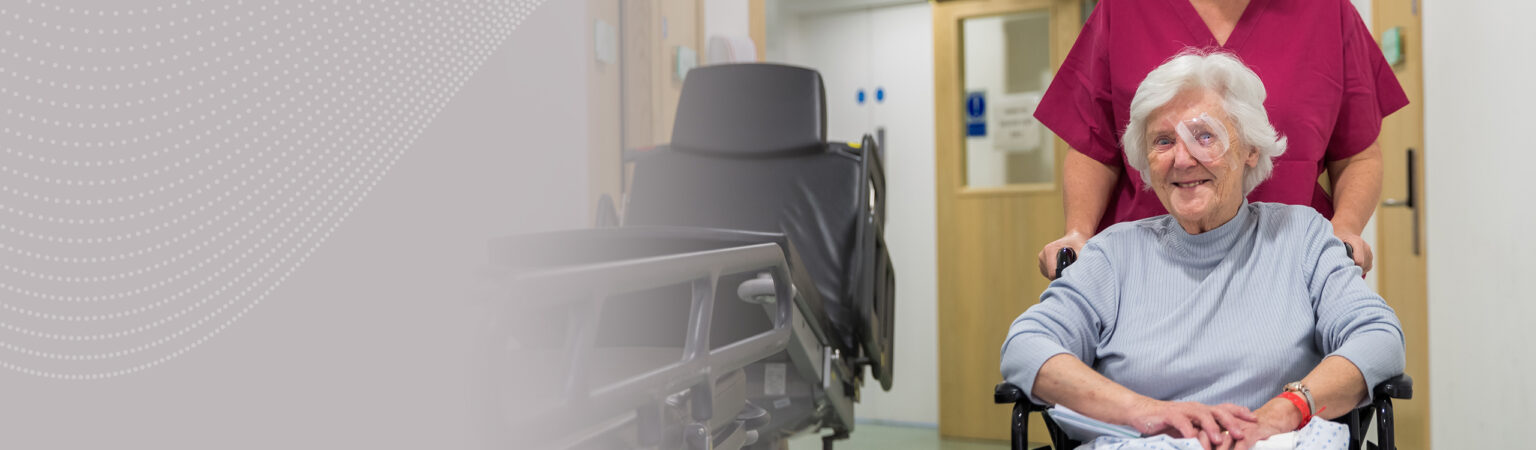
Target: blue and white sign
(976,114)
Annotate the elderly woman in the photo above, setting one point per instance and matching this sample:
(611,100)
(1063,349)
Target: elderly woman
(1224,320)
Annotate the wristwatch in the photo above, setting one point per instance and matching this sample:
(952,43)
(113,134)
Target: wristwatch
(1297,387)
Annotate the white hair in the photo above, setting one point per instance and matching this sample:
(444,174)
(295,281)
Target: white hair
(1242,95)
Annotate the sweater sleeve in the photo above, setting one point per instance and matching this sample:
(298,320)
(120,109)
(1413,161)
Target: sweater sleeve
(1352,320)
(1075,315)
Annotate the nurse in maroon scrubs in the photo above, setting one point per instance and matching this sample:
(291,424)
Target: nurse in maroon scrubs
(1329,87)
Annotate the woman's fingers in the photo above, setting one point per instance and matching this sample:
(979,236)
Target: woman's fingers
(1231,444)
(1239,412)
(1231,420)
(1228,423)
(1216,426)
(1183,425)
(1248,443)
(1207,421)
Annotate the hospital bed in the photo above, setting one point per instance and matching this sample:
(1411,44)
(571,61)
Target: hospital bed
(1399,387)
(735,297)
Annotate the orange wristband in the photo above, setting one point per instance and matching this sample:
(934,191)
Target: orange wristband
(1301,405)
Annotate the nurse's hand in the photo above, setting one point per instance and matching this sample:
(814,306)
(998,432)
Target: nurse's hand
(1074,240)
(1362,250)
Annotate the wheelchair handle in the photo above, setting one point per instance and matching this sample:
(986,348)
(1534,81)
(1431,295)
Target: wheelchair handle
(1064,257)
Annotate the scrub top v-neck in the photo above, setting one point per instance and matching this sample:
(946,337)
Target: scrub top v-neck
(1197,27)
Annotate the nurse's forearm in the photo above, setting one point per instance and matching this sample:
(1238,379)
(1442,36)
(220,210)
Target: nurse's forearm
(1356,189)
(1086,186)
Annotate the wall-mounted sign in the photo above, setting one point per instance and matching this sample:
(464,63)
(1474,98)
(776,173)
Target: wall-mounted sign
(605,42)
(1014,126)
(686,59)
(1392,45)
(976,114)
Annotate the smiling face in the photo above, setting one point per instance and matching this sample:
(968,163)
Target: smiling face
(1201,195)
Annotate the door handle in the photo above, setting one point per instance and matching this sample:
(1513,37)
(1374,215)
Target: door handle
(1409,201)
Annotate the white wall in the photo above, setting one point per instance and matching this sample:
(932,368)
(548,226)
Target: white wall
(841,45)
(902,63)
(1477,158)
(726,18)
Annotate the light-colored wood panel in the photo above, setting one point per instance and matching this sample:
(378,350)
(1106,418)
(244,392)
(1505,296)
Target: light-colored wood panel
(651,32)
(987,238)
(991,278)
(604,129)
(1401,271)
(757,26)
(639,58)
(679,24)
(1011,190)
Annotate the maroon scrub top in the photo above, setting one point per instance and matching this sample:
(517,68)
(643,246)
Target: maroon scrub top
(1329,87)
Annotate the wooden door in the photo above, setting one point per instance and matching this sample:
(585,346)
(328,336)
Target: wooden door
(653,36)
(604,80)
(1400,247)
(988,236)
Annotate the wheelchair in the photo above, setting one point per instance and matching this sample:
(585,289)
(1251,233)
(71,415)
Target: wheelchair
(1399,387)
(734,296)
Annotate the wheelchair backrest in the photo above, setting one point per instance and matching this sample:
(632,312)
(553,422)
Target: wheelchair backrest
(748,152)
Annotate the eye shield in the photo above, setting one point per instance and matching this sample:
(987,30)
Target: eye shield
(1205,137)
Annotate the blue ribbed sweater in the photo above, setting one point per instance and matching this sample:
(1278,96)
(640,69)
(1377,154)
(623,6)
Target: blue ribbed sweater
(1229,315)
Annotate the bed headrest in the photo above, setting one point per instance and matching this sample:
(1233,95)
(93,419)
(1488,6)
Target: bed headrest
(751,110)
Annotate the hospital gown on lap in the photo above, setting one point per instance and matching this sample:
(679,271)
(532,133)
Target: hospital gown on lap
(1319,434)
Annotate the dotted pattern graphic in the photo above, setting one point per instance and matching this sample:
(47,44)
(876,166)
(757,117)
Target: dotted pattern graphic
(166,165)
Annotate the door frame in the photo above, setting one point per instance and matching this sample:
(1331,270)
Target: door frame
(949,84)
(968,355)
(1400,247)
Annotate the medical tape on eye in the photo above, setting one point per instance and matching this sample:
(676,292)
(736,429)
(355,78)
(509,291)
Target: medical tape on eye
(1209,150)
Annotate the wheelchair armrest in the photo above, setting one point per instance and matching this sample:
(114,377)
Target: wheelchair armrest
(1400,387)
(1008,393)
(607,215)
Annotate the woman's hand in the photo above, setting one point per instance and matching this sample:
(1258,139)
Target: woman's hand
(1215,426)
(1275,417)
(1075,240)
